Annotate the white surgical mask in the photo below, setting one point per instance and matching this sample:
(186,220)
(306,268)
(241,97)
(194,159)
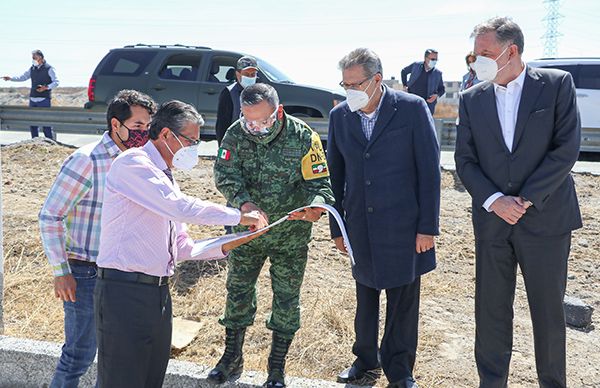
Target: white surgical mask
(185,158)
(487,68)
(432,63)
(247,81)
(34,62)
(358,99)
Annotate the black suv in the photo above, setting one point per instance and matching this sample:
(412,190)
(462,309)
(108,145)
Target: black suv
(195,75)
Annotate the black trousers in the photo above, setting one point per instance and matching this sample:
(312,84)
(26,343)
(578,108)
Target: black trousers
(133,331)
(399,343)
(543,263)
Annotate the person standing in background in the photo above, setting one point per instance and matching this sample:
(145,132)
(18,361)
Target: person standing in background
(43,81)
(425,79)
(470,78)
(228,110)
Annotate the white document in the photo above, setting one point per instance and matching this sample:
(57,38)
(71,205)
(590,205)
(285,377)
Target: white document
(210,243)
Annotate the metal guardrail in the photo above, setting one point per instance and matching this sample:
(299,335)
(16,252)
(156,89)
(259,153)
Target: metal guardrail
(89,122)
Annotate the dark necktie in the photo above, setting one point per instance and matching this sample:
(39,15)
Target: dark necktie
(171,263)
(169,174)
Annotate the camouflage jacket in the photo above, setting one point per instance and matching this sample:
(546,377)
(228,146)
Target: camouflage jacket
(278,172)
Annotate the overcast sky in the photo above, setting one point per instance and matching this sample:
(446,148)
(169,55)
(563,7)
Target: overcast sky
(305,39)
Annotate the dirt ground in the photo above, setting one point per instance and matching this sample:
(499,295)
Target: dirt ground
(322,347)
(64,96)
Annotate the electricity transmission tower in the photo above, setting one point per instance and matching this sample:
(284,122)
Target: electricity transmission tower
(551,19)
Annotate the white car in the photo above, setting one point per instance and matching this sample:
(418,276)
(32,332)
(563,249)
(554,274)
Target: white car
(586,74)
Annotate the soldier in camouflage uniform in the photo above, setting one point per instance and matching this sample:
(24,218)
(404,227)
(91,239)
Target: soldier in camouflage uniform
(270,162)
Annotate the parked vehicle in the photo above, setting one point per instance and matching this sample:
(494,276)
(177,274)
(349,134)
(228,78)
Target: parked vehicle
(195,75)
(586,74)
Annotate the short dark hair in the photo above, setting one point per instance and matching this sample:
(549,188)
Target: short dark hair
(255,94)
(430,51)
(506,31)
(174,115)
(38,53)
(120,106)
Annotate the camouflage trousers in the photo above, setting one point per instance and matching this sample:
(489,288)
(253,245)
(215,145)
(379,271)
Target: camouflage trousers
(286,246)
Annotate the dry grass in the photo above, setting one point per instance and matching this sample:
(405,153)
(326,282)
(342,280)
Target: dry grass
(323,345)
(445,111)
(64,96)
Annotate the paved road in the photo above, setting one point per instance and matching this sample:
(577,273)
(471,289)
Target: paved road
(210,149)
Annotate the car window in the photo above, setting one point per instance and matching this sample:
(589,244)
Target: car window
(182,67)
(129,63)
(222,69)
(589,77)
(272,72)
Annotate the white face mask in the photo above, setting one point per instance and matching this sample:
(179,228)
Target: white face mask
(185,158)
(34,62)
(358,99)
(432,63)
(487,68)
(247,81)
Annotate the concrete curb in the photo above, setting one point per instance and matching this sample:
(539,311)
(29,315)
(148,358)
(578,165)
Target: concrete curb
(27,363)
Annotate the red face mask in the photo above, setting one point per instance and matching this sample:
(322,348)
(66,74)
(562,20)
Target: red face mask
(137,137)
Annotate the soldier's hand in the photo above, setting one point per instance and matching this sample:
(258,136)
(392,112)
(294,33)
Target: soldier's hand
(310,214)
(64,287)
(6,78)
(339,244)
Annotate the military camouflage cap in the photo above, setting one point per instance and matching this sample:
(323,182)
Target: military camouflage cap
(246,62)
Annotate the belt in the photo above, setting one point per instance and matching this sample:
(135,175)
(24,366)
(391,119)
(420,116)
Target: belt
(134,277)
(82,262)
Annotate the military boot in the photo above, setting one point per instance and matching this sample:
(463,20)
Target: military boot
(232,361)
(279,350)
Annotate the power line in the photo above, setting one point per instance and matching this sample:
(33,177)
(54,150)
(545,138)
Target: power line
(552,19)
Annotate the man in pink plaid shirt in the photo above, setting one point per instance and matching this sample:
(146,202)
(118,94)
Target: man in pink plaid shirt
(70,227)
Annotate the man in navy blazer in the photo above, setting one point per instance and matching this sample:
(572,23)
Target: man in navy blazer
(383,159)
(425,79)
(518,138)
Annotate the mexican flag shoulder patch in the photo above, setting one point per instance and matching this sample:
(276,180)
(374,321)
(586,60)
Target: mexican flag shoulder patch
(224,154)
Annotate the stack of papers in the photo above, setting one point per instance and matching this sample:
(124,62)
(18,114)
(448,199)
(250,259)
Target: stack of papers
(207,244)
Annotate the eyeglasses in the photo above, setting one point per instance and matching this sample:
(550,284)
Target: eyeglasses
(354,86)
(190,140)
(257,125)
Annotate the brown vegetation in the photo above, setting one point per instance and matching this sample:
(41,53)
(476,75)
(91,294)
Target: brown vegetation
(323,345)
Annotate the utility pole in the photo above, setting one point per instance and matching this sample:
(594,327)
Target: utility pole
(551,19)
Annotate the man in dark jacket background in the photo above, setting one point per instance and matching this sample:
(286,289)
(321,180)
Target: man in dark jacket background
(425,79)
(384,166)
(228,109)
(43,80)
